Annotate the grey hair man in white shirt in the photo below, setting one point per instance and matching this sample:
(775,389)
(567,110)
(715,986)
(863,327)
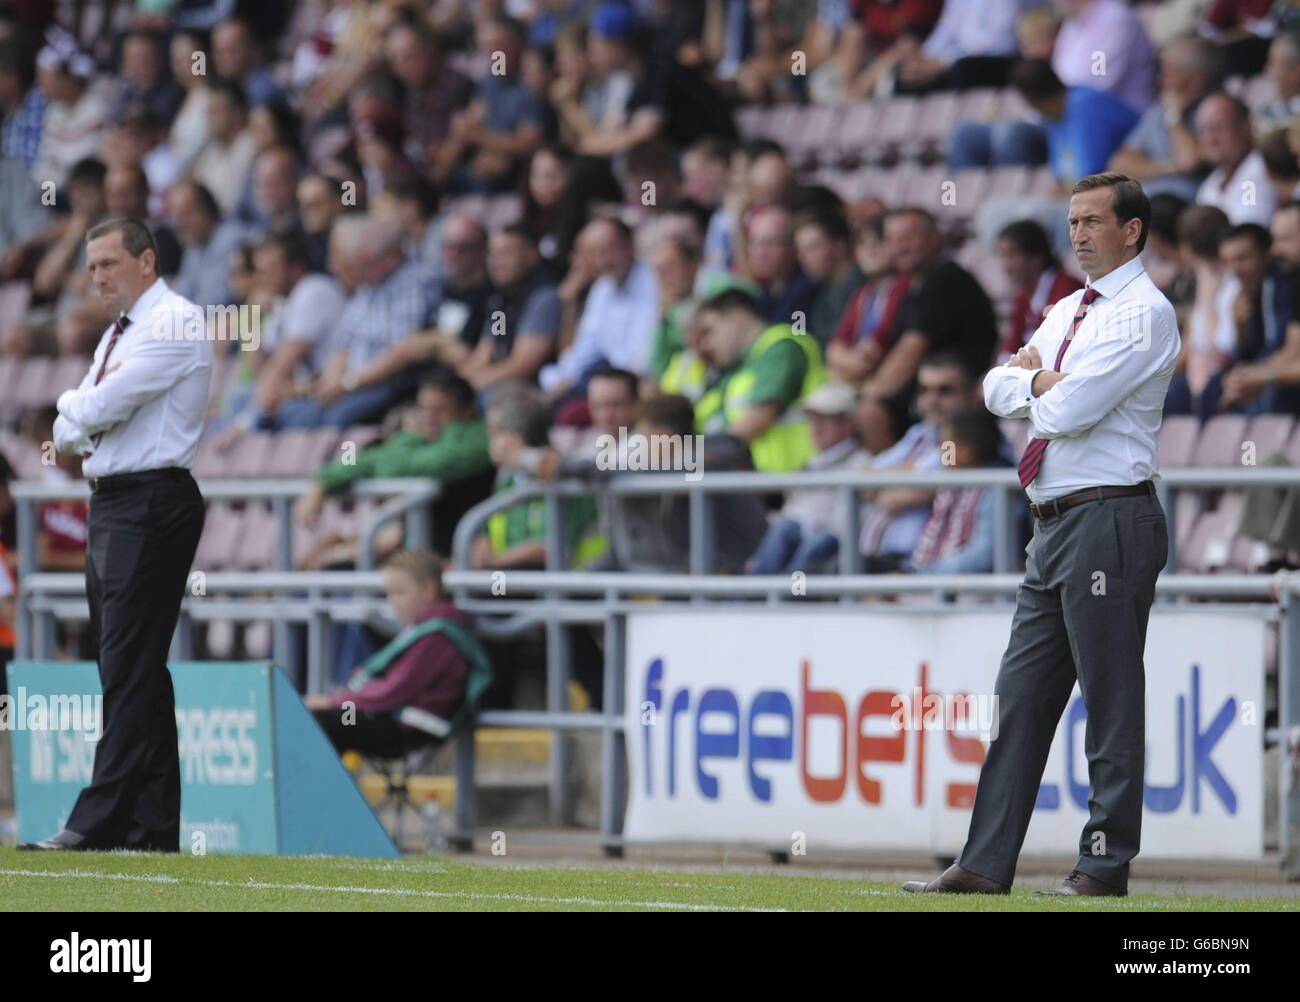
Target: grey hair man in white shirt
(136,420)
(1092,381)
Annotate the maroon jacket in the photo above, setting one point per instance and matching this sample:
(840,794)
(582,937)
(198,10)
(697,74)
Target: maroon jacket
(430,674)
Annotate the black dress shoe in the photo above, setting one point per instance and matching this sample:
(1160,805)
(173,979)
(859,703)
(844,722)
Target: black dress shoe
(955,880)
(1080,884)
(65,840)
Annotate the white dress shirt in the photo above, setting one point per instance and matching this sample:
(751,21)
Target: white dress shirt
(1102,418)
(148,411)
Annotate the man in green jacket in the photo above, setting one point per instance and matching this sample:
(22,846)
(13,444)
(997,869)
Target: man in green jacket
(441,439)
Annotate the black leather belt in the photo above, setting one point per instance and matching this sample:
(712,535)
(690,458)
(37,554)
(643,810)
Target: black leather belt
(122,481)
(1062,504)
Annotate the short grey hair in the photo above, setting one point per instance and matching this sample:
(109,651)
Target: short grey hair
(366,235)
(136,237)
(522,409)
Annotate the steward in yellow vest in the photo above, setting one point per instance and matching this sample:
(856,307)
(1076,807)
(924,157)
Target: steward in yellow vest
(765,372)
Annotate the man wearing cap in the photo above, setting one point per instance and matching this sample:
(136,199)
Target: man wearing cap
(136,420)
(77,114)
(806,534)
(1092,381)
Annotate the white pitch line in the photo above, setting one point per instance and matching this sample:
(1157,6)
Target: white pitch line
(395,891)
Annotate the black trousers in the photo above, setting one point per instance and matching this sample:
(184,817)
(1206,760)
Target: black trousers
(141,544)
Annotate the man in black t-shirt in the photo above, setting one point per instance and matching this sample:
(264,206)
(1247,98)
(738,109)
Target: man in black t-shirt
(946,309)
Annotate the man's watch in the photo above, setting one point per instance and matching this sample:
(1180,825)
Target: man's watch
(348,382)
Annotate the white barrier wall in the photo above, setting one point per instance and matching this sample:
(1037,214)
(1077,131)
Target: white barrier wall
(807,728)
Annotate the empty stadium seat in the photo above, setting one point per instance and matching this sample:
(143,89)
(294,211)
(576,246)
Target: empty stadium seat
(1269,433)
(1220,441)
(1208,546)
(1176,440)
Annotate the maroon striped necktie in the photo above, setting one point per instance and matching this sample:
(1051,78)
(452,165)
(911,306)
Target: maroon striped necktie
(118,328)
(1032,460)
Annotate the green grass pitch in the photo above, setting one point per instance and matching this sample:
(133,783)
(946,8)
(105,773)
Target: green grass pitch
(71,882)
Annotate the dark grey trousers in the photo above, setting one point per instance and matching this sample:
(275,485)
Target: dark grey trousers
(1081,612)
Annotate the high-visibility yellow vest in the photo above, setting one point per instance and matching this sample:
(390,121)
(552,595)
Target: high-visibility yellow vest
(787,443)
(686,375)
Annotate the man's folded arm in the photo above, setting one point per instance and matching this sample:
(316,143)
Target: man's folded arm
(1120,360)
(154,366)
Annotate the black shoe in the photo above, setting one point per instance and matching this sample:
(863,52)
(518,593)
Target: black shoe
(65,841)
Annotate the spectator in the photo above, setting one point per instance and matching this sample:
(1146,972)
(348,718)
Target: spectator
(434,91)
(454,320)
(958,535)
(136,140)
(1239,182)
(387,301)
(274,127)
(524,314)
(1084,126)
(273,184)
(892,32)
(428,666)
(805,535)
(1162,150)
(22,216)
(445,441)
(1102,44)
(785,291)
(148,81)
(868,328)
(61,261)
(1036,279)
(946,308)
(764,371)
(1264,309)
(824,246)
(412,204)
(491,139)
(1280,164)
(676,260)
(189,129)
(22,105)
(893,520)
(297,331)
(651,180)
(614,112)
(1241,29)
(543,189)
(126,194)
(1285,230)
(1283,70)
(1211,337)
(76,113)
(972,45)
(517,420)
(648,534)
(617,323)
(706,173)
(234,56)
(207,241)
(1161,257)
(321,200)
(225,162)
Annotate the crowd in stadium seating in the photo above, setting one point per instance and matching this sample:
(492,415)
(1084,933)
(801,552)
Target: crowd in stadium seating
(498,230)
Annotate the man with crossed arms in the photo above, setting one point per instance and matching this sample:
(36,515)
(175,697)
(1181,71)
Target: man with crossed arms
(136,418)
(1092,381)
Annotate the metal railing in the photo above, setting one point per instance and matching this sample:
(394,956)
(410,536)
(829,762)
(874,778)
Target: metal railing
(408,499)
(556,599)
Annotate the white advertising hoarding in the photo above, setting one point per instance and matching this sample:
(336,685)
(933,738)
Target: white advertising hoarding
(768,727)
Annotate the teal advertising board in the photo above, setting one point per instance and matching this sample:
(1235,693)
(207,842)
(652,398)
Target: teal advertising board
(257,773)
